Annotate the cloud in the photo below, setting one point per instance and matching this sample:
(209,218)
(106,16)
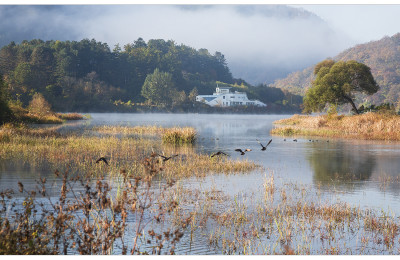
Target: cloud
(257,40)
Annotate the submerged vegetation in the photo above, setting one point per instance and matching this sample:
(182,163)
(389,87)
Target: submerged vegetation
(370,126)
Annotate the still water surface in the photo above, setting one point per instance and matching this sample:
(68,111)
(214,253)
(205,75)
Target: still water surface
(352,171)
(354,168)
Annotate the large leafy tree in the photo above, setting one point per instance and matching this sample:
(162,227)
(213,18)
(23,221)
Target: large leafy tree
(337,83)
(158,88)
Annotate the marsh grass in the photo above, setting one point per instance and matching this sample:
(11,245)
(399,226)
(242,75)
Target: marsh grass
(80,152)
(370,126)
(174,135)
(292,219)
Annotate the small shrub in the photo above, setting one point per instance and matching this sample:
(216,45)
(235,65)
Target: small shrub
(39,105)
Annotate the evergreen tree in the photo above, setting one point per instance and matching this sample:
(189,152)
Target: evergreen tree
(158,88)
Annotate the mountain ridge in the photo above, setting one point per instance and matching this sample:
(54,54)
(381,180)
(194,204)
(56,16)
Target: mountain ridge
(382,56)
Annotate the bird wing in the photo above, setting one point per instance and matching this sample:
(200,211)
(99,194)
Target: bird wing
(269,142)
(239,150)
(162,156)
(104,160)
(260,143)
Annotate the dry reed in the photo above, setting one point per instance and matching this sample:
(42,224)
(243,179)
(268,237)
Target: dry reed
(370,126)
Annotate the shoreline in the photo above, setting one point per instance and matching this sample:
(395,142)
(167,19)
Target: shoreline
(368,126)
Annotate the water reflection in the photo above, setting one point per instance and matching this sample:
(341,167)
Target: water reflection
(340,165)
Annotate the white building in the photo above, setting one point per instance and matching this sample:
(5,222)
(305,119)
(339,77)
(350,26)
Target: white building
(223,97)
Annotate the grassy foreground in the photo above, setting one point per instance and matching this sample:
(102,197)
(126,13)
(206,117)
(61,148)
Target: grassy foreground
(368,126)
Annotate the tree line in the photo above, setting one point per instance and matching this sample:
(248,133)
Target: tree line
(87,75)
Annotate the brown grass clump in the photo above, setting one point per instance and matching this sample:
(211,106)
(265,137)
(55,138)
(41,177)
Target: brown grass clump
(185,135)
(369,126)
(70,116)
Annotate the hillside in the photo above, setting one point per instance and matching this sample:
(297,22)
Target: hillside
(383,57)
(89,76)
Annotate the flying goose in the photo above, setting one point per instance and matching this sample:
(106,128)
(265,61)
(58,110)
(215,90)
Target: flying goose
(218,153)
(166,158)
(242,152)
(264,147)
(102,159)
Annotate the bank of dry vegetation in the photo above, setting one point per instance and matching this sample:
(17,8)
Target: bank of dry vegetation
(368,126)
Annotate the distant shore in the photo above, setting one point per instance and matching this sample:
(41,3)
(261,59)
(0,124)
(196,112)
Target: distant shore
(368,126)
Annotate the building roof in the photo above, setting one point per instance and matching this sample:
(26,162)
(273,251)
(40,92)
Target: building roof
(208,99)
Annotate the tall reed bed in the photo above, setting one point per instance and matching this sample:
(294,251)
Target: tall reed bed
(374,126)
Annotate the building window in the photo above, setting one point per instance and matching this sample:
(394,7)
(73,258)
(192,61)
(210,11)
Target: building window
(223,97)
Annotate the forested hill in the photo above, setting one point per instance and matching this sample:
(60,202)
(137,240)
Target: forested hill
(89,76)
(383,57)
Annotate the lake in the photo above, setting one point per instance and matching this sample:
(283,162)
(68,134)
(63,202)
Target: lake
(360,173)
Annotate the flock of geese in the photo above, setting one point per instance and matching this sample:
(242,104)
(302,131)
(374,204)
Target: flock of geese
(242,152)
(164,158)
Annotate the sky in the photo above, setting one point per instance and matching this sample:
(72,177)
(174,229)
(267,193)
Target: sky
(260,42)
(362,23)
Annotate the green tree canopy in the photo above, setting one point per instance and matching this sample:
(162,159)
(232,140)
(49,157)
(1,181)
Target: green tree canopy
(158,88)
(336,83)
(5,112)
